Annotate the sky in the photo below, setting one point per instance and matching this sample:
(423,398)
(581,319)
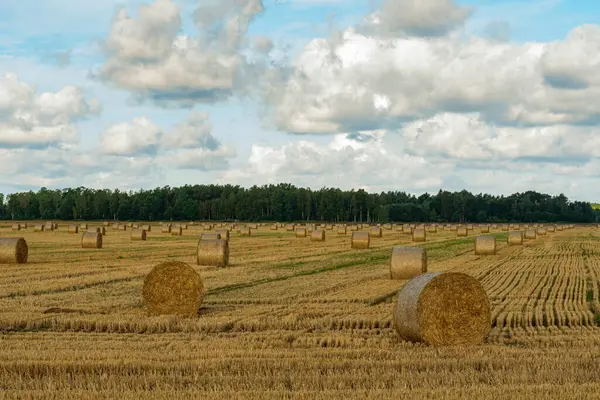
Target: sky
(491,96)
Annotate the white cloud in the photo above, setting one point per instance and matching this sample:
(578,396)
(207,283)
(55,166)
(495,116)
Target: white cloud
(129,138)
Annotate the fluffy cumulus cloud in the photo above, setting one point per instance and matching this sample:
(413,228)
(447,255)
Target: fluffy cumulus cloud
(150,57)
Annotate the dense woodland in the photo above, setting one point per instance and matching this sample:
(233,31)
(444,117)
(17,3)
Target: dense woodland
(285,202)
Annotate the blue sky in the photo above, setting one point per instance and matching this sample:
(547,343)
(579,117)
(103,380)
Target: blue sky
(492,122)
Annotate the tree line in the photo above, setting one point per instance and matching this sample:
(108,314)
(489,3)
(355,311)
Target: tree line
(285,202)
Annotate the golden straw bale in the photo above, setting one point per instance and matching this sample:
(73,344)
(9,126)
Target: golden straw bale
(13,251)
(485,229)
(246,231)
(432,229)
(400,227)
(224,233)
(290,227)
(419,235)
(176,231)
(354,228)
(106,223)
(505,228)
(541,231)
(101,230)
(461,232)
(184,226)
(147,227)
(49,227)
(485,245)
(123,227)
(361,240)
(317,235)
(73,229)
(551,229)
(138,234)
(136,226)
(453,228)
(341,230)
(91,240)
(407,262)
(23,225)
(130,224)
(166,228)
(16,227)
(329,227)
(301,232)
(213,252)
(173,288)
(442,309)
(408,230)
(83,227)
(376,231)
(515,238)
(274,227)
(469,227)
(530,234)
(115,226)
(39,228)
(210,236)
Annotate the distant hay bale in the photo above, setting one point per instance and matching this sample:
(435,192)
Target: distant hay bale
(49,226)
(515,238)
(551,229)
(530,234)
(13,251)
(253,226)
(419,235)
(123,227)
(354,228)
(318,235)
(461,232)
(210,236)
(453,228)
(485,245)
(130,225)
(39,228)
(407,262)
(91,240)
(101,230)
(360,240)
(290,227)
(494,226)
(23,225)
(115,226)
(246,231)
(176,231)
(541,231)
(16,227)
(485,229)
(274,227)
(469,227)
(442,309)
(83,227)
(136,226)
(505,228)
(341,230)
(400,227)
(138,234)
(301,232)
(106,223)
(224,233)
(213,252)
(173,288)
(147,227)
(376,231)
(408,230)
(73,229)
(184,227)
(432,229)
(166,228)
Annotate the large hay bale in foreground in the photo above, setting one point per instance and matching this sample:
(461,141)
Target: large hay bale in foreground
(376,231)
(407,262)
(39,228)
(73,229)
(442,309)
(173,288)
(138,234)
(16,227)
(13,251)
(318,235)
(485,245)
(530,234)
(360,240)
(213,252)
(166,228)
(91,240)
(461,232)
(301,232)
(515,238)
(419,235)
(101,230)
(210,236)
(224,233)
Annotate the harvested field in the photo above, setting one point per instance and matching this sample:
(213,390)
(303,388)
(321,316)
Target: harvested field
(292,318)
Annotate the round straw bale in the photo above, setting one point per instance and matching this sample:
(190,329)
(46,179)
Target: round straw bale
(400,227)
(147,227)
(318,235)
(166,228)
(469,227)
(376,231)
(432,229)
(91,240)
(246,231)
(13,251)
(442,309)
(184,226)
(551,229)
(173,288)
(453,228)
(407,262)
(129,224)
(83,227)
(541,231)
(115,226)
(361,240)
(505,228)
(515,238)
(138,234)
(224,233)
(274,227)
(106,223)
(530,234)
(49,227)
(39,228)
(73,229)
(461,232)
(123,227)
(301,232)
(290,227)
(176,231)
(136,226)
(485,229)
(419,235)
(485,245)
(214,252)
(16,227)
(408,230)
(210,236)
(101,230)
(23,225)
(341,230)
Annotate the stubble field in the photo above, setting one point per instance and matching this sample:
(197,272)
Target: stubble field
(290,318)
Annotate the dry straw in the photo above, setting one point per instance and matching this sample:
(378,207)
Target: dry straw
(419,235)
(13,251)
(469,227)
(515,238)
(83,227)
(376,231)
(23,225)
(408,230)
(224,233)
(432,229)
(130,224)
(541,231)
(318,235)
(246,231)
(123,227)
(485,229)
(301,232)
(106,223)
(91,240)
(73,229)
(16,227)
(505,228)
(173,288)
(530,234)
(136,226)
(210,236)
(138,234)
(101,230)
(485,245)
(274,227)
(147,227)
(341,230)
(400,227)
(453,228)
(115,226)
(176,231)
(443,309)
(361,240)
(551,229)
(213,252)
(38,228)
(407,262)
(290,227)
(49,226)
(166,228)
(461,232)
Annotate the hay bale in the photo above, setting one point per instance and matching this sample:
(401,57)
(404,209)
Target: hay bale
(173,288)
(484,229)
(138,234)
(442,309)
(301,232)
(290,227)
(13,251)
(49,226)
(318,235)
(166,228)
(147,227)
(224,233)
(91,240)
(176,231)
(485,245)
(136,226)
(432,229)
(210,236)
(541,231)
(419,235)
(101,230)
(274,227)
(551,229)
(505,228)
(400,227)
(106,223)
(360,240)
(23,225)
(408,230)
(16,227)
(530,234)
(73,229)
(341,230)
(246,231)
(214,252)
(407,262)
(376,231)
(354,228)
(83,227)
(130,224)
(515,238)
(115,226)
(469,227)
(123,227)
(461,232)
(39,228)
(453,228)
(184,226)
